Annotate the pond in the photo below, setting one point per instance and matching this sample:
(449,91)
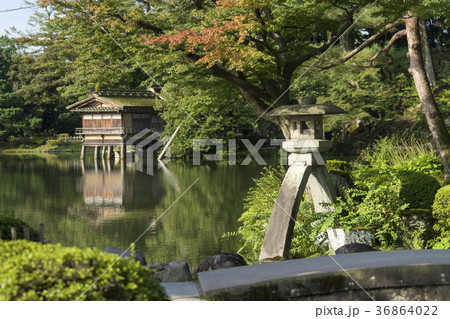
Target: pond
(178,213)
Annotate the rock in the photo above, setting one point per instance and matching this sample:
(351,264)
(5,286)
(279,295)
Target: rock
(220,261)
(157,266)
(160,270)
(338,237)
(447,121)
(354,248)
(126,254)
(340,183)
(175,271)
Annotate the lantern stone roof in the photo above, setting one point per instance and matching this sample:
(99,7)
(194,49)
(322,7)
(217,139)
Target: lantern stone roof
(114,101)
(306,109)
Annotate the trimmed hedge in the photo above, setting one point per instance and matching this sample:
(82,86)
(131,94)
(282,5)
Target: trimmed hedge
(418,189)
(337,165)
(32,271)
(441,206)
(7,222)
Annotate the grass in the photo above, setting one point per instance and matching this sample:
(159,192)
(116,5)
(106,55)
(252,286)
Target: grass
(50,146)
(396,149)
(406,152)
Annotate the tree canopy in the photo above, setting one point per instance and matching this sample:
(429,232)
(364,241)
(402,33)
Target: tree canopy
(261,47)
(269,52)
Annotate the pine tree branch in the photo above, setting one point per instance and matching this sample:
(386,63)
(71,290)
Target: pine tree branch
(387,48)
(363,45)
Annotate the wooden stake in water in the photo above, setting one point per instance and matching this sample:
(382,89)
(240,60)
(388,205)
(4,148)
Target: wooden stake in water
(13,233)
(26,233)
(41,233)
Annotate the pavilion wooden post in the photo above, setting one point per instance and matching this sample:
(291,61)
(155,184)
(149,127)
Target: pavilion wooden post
(41,232)
(26,233)
(95,151)
(108,152)
(122,151)
(13,233)
(83,150)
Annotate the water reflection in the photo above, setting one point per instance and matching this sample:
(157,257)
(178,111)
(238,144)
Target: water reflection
(103,188)
(100,204)
(103,193)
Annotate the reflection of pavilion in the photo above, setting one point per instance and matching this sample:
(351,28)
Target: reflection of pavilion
(103,193)
(103,188)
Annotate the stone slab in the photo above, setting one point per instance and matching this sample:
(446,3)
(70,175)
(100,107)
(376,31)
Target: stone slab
(384,275)
(338,237)
(181,290)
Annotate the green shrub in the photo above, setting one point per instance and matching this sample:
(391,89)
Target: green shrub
(381,200)
(7,222)
(337,165)
(32,271)
(441,205)
(37,141)
(424,164)
(441,212)
(441,208)
(416,189)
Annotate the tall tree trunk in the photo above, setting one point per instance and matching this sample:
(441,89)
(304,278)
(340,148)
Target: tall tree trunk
(434,117)
(429,67)
(348,40)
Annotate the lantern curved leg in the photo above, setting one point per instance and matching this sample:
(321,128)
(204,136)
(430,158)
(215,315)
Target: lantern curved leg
(277,239)
(321,189)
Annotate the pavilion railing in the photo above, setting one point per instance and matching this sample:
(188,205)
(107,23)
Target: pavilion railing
(109,131)
(103,131)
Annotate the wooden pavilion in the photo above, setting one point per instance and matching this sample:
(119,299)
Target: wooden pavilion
(112,117)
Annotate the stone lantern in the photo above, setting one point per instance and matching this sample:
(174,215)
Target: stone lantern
(306,170)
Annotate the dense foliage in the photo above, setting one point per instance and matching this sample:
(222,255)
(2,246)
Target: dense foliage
(383,198)
(379,207)
(14,120)
(415,188)
(32,271)
(387,188)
